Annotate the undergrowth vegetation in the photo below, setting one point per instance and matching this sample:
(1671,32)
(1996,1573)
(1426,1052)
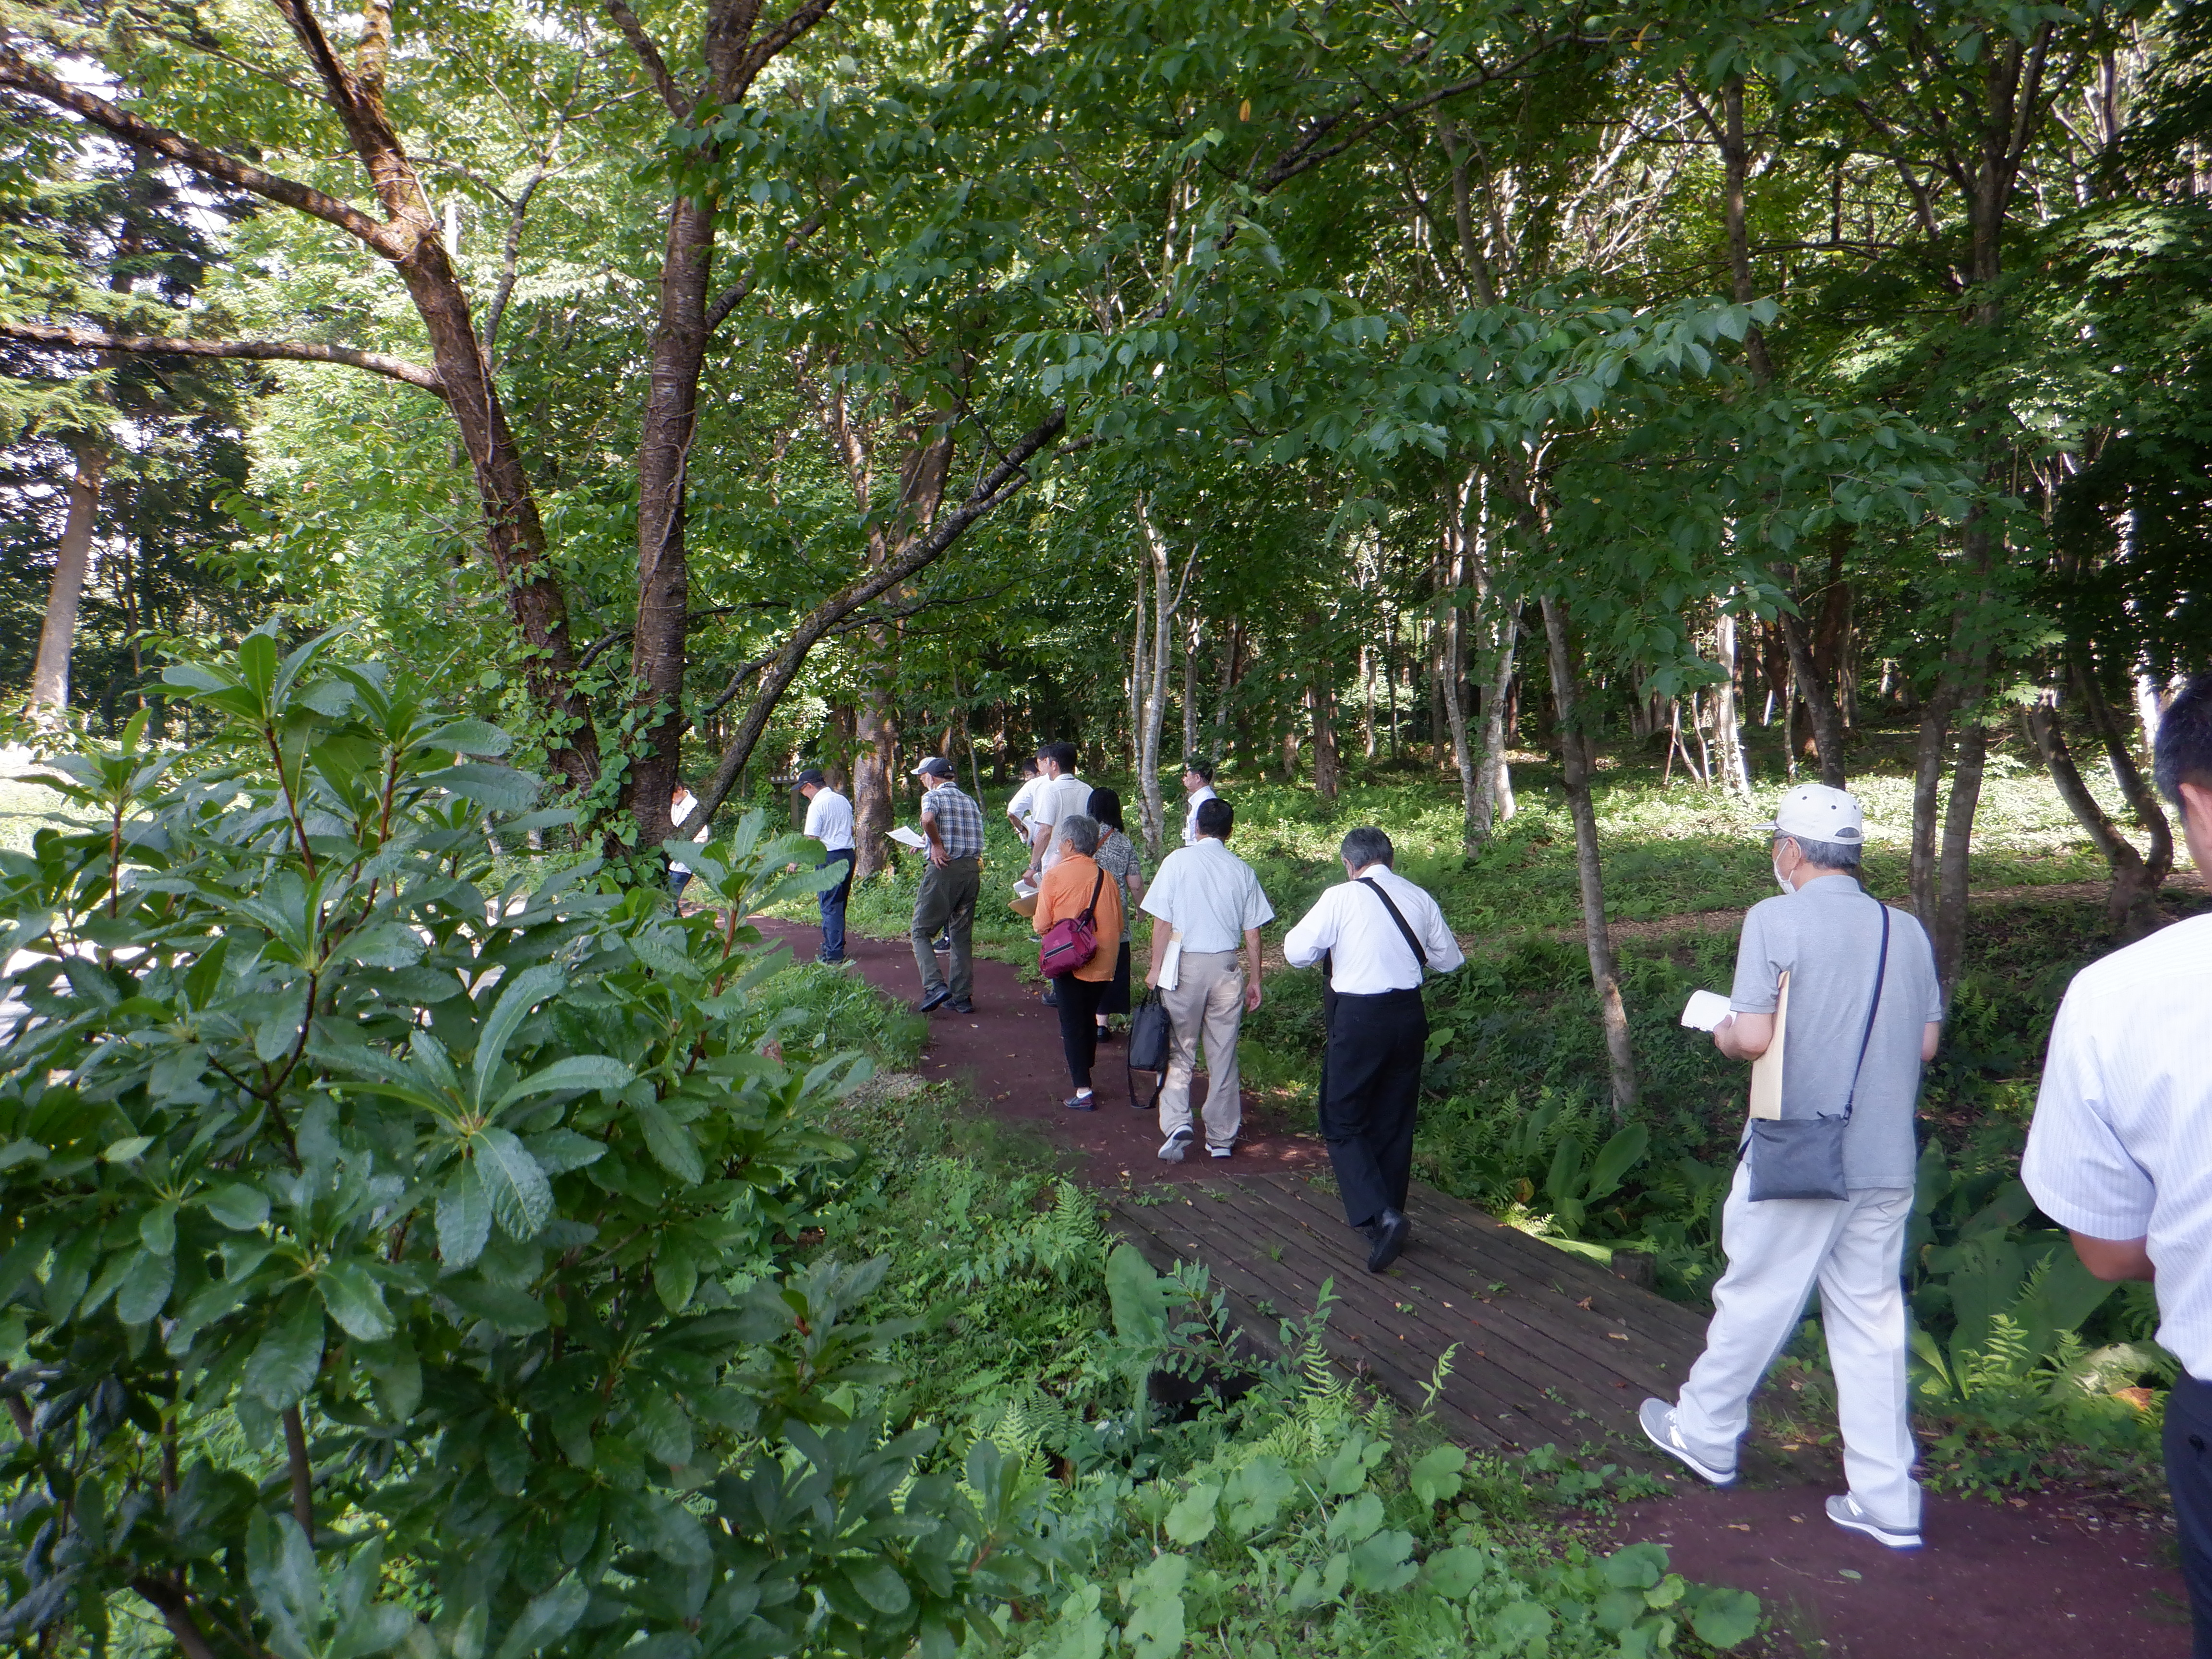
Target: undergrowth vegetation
(397,1262)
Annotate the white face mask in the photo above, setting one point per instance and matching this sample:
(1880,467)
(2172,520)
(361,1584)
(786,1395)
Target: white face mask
(1781,880)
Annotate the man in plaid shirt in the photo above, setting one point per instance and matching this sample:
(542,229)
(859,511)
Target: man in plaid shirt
(954,824)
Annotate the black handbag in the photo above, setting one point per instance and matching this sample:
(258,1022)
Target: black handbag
(1150,1033)
(1803,1157)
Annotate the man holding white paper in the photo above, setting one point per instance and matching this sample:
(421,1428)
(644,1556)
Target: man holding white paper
(950,883)
(1863,1014)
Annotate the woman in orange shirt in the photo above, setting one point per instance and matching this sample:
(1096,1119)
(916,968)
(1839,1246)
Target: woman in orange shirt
(1072,886)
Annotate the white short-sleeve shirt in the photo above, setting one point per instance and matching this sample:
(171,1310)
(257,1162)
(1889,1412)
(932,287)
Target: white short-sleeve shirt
(1209,895)
(1367,954)
(2121,1146)
(1055,800)
(1023,807)
(830,820)
(1204,793)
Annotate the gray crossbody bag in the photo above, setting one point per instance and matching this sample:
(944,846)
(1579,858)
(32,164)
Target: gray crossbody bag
(1803,1157)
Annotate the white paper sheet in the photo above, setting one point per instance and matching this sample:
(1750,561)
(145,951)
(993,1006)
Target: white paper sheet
(1706,1010)
(906,838)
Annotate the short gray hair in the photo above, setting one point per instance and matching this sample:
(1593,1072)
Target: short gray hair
(1827,854)
(1367,844)
(1080,832)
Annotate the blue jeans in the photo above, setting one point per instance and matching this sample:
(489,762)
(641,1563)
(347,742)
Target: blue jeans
(832,908)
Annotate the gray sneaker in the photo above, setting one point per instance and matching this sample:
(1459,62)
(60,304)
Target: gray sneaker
(1657,1418)
(1173,1147)
(1844,1509)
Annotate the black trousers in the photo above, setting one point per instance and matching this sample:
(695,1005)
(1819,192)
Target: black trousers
(1078,1023)
(2188,1476)
(1370,1094)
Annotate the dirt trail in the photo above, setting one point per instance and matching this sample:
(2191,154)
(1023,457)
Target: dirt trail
(2045,1578)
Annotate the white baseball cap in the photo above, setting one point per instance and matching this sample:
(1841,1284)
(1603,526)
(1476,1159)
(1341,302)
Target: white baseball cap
(1816,812)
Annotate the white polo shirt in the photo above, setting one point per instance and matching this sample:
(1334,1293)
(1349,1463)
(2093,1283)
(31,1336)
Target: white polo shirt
(830,820)
(2121,1146)
(1190,819)
(1023,807)
(1209,895)
(1368,955)
(1065,795)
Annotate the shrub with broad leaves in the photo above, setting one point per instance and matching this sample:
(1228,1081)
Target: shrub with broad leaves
(393,1262)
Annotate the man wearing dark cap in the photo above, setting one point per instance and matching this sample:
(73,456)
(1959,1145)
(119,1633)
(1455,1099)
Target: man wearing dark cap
(830,821)
(950,883)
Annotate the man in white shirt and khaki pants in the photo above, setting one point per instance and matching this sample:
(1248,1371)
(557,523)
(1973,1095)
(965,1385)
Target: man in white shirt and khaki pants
(2120,1152)
(1381,934)
(1205,903)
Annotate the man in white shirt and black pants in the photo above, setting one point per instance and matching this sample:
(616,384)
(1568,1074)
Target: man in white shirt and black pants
(830,821)
(2120,1152)
(1380,934)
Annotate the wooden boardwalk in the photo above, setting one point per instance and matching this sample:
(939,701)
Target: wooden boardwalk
(1551,1348)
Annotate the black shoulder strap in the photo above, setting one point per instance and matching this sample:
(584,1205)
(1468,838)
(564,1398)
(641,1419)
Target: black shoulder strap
(1090,911)
(1873,1005)
(1420,956)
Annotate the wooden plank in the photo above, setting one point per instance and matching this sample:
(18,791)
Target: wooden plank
(1495,1333)
(1570,1336)
(1242,1275)
(1365,1317)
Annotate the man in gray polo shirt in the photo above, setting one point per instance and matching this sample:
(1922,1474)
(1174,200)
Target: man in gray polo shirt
(1825,933)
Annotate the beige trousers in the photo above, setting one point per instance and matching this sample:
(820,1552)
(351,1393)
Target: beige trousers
(1209,995)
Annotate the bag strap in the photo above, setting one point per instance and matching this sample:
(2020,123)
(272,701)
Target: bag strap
(1420,956)
(1090,916)
(1880,972)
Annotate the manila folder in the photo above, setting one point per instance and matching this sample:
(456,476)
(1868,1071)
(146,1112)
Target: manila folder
(1766,1070)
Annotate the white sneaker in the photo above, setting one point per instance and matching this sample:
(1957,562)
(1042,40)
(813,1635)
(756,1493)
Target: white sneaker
(1222,1151)
(1172,1148)
(1657,1418)
(1844,1509)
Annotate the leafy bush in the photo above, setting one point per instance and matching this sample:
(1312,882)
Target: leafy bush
(389,1263)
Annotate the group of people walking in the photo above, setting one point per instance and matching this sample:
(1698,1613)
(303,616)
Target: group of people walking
(1822,1195)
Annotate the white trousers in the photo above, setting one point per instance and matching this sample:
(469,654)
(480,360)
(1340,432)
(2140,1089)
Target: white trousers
(1777,1250)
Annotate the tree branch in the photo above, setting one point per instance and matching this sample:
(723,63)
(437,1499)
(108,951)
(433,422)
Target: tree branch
(303,1475)
(23,75)
(656,66)
(175,1608)
(995,486)
(734,296)
(419,375)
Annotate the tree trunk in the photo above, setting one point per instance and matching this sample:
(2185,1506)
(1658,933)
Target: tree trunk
(1155,709)
(2132,903)
(1230,648)
(49,678)
(1950,934)
(874,784)
(1575,756)
(1735,168)
(1493,795)
(1727,733)
(1137,643)
(2135,789)
(1320,700)
(1190,688)
(1827,719)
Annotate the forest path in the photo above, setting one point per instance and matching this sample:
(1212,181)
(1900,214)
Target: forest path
(2053,1575)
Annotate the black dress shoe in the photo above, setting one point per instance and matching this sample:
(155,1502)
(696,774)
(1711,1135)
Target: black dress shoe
(1391,1232)
(936,999)
(963,1006)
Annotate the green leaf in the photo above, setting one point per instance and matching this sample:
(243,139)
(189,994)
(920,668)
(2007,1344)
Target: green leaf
(507,1310)
(1638,1566)
(145,1288)
(516,998)
(238,1207)
(354,1299)
(1383,1563)
(1155,1629)
(1436,1476)
(1454,1573)
(1356,1519)
(464,1218)
(670,1143)
(122,1151)
(284,1363)
(548,1617)
(576,1072)
(521,1197)
(1257,1492)
(386,945)
(1191,1521)
(280,1565)
(1724,1618)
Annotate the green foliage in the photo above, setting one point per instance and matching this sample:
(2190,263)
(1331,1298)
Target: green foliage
(392,1261)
